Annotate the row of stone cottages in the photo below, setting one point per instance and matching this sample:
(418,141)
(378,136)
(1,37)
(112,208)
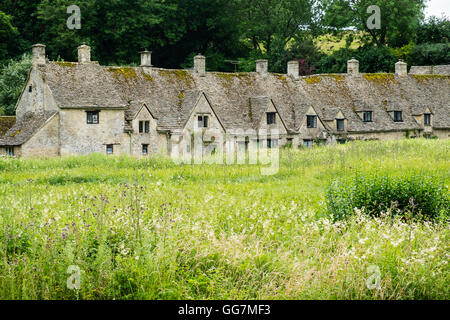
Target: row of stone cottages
(78,108)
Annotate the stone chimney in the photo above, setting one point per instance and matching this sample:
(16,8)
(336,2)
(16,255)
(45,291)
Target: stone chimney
(200,65)
(293,69)
(84,53)
(38,55)
(146,58)
(353,67)
(401,69)
(262,66)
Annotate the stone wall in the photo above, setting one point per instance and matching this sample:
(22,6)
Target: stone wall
(310,133)
(80,138)
(39,99)
(157,143)
(45,143)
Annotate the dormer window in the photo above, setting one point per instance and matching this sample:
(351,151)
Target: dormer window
(367,117)
(144,126)
(340,124)
(203,121)
(311,122)
(398,116)
(427,119)
(271,118)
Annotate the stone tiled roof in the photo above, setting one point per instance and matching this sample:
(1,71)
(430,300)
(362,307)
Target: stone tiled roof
(238,98)
(82,85)
(25,128)
(5,124)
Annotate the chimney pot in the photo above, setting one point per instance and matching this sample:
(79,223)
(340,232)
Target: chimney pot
(38,55)
(146,58)
(84,53)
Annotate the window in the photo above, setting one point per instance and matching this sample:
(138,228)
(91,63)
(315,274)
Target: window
(10,151)
(398,116)
(145,149)
(109,149)
(271,118)
(272,143)
(308,143)
(203,121)
(144,126)
(92,117)
(368,116)
(427,119)
(311,121)
(340,124)
(30,89)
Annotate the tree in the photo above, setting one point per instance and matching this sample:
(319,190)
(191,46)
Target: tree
(12,80)
(23,15)
(399,19)
(429,54)
(8,34)
(371,59)
(271,25)
(434,30)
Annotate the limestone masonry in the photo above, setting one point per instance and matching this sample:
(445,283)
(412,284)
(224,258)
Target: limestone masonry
(80,108)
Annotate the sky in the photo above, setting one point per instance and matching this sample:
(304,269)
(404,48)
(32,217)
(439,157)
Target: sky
(437,7)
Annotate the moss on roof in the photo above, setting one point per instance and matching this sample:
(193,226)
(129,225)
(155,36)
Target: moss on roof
(6,123)
(313,79)
(66,64)
(126,73)
(177,76)
(381,78)
(424,78)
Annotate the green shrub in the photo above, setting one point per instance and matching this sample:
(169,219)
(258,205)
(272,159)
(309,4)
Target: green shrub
(412,196)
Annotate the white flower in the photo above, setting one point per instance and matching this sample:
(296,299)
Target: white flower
(362,241)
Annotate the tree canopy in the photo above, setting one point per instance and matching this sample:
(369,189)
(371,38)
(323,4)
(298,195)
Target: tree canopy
(226,31)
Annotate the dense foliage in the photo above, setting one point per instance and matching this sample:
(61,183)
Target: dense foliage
(227,32)
(12,78)
(411,196)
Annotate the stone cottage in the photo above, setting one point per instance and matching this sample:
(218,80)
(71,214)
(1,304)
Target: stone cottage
(80,108)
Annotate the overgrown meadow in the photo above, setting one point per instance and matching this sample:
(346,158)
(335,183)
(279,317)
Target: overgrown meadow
(151,229)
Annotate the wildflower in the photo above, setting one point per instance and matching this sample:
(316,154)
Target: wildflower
(362,241)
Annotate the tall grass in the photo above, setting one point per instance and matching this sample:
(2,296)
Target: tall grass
(150,229)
